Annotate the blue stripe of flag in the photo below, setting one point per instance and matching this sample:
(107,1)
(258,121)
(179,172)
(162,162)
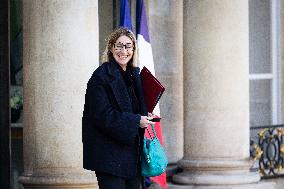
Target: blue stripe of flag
(141,20)
(125,17)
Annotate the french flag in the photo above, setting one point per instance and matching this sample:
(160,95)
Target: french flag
(145,58)
(125,16)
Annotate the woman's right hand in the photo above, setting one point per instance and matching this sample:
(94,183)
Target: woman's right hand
(144,121)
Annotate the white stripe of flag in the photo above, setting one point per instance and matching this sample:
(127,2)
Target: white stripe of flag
(145,56)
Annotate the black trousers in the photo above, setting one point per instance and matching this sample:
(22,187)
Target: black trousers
(108,181)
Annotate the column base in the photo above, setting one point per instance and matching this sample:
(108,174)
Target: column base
(84,180)
(207,178)
(259,185)
(215,172)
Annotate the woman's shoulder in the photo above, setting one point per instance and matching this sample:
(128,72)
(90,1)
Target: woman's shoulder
(99,74)
(101,70)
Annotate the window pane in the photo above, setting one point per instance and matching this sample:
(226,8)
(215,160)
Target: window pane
(259,36)
(260,102)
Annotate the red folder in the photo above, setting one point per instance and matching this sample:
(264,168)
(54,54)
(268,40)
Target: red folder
(152,88)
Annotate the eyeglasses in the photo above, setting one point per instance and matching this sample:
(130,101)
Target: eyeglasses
(119,46)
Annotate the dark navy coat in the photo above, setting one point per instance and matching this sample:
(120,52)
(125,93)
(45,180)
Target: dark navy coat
(110,131)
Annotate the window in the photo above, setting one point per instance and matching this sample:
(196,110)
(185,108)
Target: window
(264,39)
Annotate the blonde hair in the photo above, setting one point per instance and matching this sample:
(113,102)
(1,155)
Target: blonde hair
(121,31)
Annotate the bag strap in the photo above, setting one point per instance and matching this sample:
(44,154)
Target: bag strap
(153,129)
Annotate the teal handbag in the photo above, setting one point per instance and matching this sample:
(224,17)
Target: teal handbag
(153,159)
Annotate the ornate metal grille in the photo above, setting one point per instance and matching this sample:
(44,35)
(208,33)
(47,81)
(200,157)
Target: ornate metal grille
(267,148)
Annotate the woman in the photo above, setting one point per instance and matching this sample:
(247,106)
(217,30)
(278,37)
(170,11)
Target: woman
(114,116)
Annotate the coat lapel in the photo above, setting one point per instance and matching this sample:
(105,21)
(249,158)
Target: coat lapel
(119,88)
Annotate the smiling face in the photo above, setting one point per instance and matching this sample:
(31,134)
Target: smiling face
(122,51)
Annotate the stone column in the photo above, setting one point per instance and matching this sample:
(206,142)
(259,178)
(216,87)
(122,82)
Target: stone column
(282,58)
(165,23)
(216,96)
(60,54)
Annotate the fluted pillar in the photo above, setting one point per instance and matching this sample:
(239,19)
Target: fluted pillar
(60,54)
(216,96)
(164,16)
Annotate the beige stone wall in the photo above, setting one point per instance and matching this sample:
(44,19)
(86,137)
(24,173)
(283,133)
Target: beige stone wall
(105,9)
(165,25)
